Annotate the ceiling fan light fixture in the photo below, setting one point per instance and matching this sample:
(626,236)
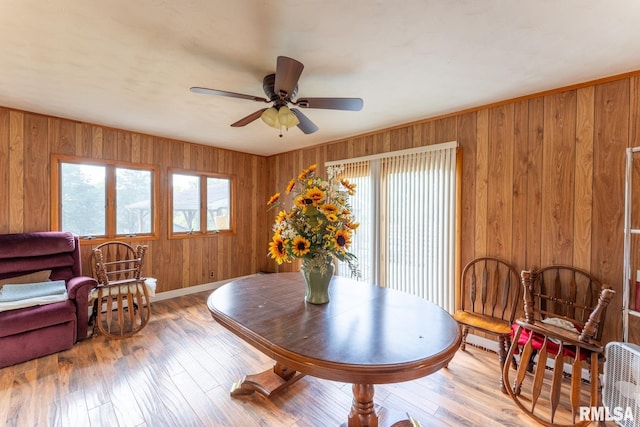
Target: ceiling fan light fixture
(270,117)
(287,118)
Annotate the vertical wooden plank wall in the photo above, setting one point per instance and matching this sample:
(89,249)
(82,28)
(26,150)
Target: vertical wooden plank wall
(543,182)
(543,177)
(27,141)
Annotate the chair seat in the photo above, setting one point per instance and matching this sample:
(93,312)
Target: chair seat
(483,322)
(552,346)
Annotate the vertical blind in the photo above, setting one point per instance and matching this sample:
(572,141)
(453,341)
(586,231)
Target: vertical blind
(405,203)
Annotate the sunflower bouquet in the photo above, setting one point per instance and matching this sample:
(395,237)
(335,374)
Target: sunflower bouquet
(319,224)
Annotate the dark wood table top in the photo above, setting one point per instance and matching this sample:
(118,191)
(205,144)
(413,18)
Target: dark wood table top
(364,335)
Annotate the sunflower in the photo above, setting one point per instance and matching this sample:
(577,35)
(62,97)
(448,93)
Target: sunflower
(329,208)
(282,216)
(302,201)
(352,225)
(278,249)
(290,186)
(342,239)
(332,217)
(315,194)
(300,246)
(307,172)
(351,188)
(273,199)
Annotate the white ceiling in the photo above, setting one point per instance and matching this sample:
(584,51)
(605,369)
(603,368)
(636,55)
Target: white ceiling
(130,63)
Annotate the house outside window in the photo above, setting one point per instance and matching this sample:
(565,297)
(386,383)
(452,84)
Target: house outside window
(201,203)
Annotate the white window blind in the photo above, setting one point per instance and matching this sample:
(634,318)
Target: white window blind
(405,203)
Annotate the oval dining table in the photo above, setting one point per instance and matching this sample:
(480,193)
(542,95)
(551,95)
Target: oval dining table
(365,335)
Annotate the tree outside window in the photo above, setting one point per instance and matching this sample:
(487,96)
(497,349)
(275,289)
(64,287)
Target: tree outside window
(102,199)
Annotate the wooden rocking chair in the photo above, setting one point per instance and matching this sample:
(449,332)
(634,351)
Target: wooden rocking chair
(122,306)
(564,311)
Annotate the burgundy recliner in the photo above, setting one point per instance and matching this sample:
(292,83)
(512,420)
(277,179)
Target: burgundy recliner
(35,331)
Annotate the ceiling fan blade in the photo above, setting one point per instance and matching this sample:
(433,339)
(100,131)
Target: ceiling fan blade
(288,72)
(207,91)
(305,125)
(246,120)
(351,104)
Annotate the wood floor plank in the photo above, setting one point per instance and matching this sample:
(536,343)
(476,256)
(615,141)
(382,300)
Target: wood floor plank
(73,409)
(178,371)
(330,406)
(120,393)
(24,398)
(103,416)
(6,382)
(199,402)
(142,376)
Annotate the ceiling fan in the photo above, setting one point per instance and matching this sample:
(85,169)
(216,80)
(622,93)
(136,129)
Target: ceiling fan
(281,89)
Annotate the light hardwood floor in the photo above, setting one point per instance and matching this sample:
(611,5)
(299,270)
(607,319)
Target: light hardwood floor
(179,369)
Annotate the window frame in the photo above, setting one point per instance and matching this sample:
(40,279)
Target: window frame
(110,197)
(203,232)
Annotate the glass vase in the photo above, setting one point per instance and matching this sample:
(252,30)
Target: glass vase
(317,279)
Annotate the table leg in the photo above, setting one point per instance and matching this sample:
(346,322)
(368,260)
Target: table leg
(363,412)
(268,382)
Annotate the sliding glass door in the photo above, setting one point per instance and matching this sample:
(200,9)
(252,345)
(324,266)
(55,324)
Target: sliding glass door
(405,203)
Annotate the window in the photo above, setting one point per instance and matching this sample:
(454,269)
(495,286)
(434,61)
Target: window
(103,199)
(200,203)
(405,202)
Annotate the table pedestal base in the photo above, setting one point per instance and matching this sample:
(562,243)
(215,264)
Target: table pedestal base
(267,383)
(364,413)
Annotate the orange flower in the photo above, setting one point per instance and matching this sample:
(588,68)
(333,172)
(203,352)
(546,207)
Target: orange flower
(315,194)
(307,172)
(282,216)
(292,184)
(330,208)
(278,249)
(351,188)
(300,246)
(303,201)
(273,199)
(342,239)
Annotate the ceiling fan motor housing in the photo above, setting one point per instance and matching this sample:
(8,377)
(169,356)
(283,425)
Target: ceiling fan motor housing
(268,85)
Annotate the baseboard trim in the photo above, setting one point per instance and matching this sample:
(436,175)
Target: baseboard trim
(482,342)
(193,289)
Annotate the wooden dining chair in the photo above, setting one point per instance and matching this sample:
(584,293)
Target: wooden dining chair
(558,339)
(490,294)
(122,307)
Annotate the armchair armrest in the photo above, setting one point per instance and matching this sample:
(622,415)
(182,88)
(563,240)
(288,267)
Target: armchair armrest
(80,286)
(78,289)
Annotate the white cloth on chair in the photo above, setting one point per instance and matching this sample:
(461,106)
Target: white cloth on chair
(149,283)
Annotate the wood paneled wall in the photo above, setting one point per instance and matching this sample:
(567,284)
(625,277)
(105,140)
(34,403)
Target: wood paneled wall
(543,177)
(543,182)
(27,141)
